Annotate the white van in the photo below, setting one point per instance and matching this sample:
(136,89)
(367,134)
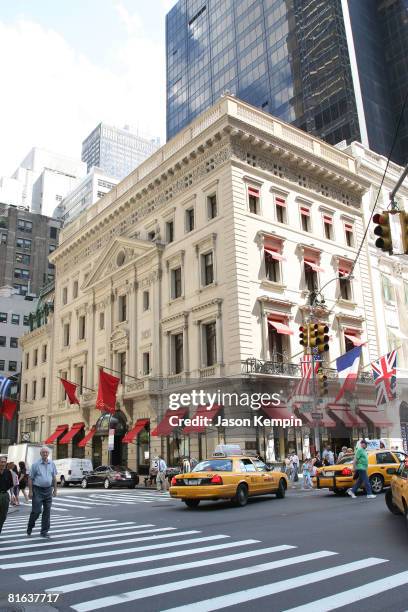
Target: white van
(72,470)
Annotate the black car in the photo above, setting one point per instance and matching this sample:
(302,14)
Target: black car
(111,476)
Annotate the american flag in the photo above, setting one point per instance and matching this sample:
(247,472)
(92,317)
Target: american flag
(385,377)
(303,388)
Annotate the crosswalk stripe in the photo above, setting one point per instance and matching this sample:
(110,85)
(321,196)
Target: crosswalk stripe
(82,537)
(54,523)
(69,505)
(35,553)
(60,509)
(86,584)
(94,555)
(23,519)
(217,603)
(353,595)
(112,600)
(96,566)
(73,499)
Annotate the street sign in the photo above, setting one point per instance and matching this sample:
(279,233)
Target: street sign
(317,416)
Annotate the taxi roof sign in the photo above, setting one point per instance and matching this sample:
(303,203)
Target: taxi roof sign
(224,450)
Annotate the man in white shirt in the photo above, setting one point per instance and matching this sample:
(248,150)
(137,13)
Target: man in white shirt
(161,474)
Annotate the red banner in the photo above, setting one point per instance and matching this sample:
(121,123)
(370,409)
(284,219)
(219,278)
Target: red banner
(70,390)
(108,385)
(8,409)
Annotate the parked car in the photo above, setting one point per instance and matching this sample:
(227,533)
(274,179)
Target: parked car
(71,471)
(396,498)
(111,476)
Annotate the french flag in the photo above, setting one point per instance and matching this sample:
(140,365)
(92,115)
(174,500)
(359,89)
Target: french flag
(347,368)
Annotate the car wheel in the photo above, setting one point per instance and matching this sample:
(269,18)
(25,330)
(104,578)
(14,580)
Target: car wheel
(241,496)
(281,492)
(377,483)
(390,503)
(106,483)
(340,492)
(191,503)
(84,483)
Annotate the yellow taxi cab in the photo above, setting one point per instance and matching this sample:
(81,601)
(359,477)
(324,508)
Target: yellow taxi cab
(382,465)
(396,497)
(228,475)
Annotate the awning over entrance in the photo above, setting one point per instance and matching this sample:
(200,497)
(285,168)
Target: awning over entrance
(202,412)
(137,428)
(57,433)
(377,418)
(164,428)
(277,412)
(88,437)
(71,433)
(348,418)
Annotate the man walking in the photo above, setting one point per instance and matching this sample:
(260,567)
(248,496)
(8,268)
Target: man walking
(161,474)
(6,483)
(42,485)
(361,466)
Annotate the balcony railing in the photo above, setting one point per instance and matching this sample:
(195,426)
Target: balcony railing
(284,368)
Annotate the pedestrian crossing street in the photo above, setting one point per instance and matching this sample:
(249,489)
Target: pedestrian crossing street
(112,564)
(70,499)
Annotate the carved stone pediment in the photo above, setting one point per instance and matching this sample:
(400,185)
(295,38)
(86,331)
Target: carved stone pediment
(121,253)
(120,338)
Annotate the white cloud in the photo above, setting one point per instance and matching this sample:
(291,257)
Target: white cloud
(52,96)
(132,22)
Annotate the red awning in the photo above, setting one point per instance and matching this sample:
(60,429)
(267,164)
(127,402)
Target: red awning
(328,219)
(275,254)
(254,192)
(164,428)
(277,412)
(314,266)
(377,418)
(88,437)
(348,418)
(348,227)
(280,201)
(355,340)
(281,328)
(305,211)
(71,433)
(137,427)
(57,433)
(202,411)
(327,421)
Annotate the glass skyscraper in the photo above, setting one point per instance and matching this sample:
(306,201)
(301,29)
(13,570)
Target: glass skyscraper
(327,66)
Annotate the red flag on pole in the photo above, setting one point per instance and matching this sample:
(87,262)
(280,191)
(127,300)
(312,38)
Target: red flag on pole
(70,390)
(8,409)
(106,399)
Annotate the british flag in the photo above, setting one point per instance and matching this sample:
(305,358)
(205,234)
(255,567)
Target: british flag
(385,377)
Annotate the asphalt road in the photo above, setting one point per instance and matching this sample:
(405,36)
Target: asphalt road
(140,550)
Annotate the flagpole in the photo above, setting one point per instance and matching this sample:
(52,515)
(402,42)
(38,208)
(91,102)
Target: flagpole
(119,372)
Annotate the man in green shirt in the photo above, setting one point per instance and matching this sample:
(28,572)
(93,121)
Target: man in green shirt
(361,466)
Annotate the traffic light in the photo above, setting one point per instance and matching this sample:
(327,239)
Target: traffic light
(319,337)
(383,231)
(322,383)
(404,231)
(304,335)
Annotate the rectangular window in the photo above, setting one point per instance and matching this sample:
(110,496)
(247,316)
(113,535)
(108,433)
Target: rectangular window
(53,233)
(20,273)
(272,267)
(3,238)
(2,365)
(122,308)
(207,268)
(64,295)
(328,226)
(387,288)
(3,340)
(305,218)
(24,244)
(311,279)
(177,350)
(253,200)
(15,319)
(44,353)
(210,343)
(26,320)
(81,327)
(280,209)
(34,390)
(23,258)
(25,392)
(345,288)
(13,342)
(275,344)
(64,375)
(21,289)
(176,287)
(146,300)
(24,226)
(170,231)
(35,359)
(27,361)
(189,219)
(212,206)
(75,289)
(349,234)
(146,364)
(101,320)
(122,367)
(43,386)
(51,248)
(12,366)
(3,317)
(66,334)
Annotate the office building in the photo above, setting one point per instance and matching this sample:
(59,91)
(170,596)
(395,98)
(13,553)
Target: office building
(337,69)
(26,240)
(116,151)
(90,189)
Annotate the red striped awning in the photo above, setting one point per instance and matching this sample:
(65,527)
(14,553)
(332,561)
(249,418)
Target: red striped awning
(348,227)
(355,340)
(275,254)
(327,421)
(87,438)
(377,418)
(328,219)
(253,192)
(136,429)
(281,328)
(71,433)
(348,418)
(305,211)
(314,265)
(277,412)
(280,201)
(56,434)
(202,411)
(164,428)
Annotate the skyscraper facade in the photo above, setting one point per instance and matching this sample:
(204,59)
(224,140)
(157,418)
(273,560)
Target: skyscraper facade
(116,151)
(323,65)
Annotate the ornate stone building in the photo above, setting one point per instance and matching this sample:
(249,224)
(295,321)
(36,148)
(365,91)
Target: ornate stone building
(195,272)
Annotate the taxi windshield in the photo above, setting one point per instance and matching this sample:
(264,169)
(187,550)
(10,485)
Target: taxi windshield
(214,465)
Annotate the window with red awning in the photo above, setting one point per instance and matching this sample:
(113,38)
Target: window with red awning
(136,429)
(56,434)
(87,438)
(164,428)
(377,418)
(71,433)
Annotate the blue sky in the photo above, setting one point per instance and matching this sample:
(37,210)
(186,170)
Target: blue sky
(68,64)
